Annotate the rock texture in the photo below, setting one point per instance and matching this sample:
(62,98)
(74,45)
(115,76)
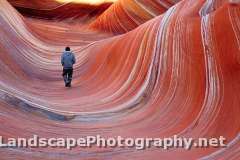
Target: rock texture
(54,10)
(170,71)
(125,15)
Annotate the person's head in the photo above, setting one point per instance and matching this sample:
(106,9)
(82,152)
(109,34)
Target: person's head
(67,49)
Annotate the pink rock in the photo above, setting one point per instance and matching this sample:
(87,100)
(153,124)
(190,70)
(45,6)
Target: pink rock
(144,69)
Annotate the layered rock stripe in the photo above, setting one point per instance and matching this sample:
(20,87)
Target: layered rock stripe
(144,69)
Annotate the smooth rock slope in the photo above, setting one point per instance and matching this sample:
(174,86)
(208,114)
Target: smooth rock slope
(144,69)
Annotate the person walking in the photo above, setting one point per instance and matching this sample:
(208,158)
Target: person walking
(67,61)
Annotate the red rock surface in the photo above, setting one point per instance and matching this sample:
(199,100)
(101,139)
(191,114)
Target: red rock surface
(53,10)
(125,15)
(175,73)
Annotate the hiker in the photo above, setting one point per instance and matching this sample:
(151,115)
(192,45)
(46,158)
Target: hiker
(67,60)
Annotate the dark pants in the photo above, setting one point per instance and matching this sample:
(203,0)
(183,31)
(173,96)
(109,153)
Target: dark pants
(67,76)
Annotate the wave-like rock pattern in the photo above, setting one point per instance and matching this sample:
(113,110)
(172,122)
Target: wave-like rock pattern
(125,15)
(176,74)
(54,10)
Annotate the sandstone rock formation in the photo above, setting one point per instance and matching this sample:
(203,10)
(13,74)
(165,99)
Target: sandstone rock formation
(144,69)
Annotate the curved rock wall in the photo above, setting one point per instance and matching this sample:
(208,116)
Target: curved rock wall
(176,74)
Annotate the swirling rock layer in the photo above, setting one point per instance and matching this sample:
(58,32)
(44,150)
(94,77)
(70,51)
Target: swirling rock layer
(172,71)
(54,10)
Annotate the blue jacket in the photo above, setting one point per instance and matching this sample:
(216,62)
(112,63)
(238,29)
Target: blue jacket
(68,59)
